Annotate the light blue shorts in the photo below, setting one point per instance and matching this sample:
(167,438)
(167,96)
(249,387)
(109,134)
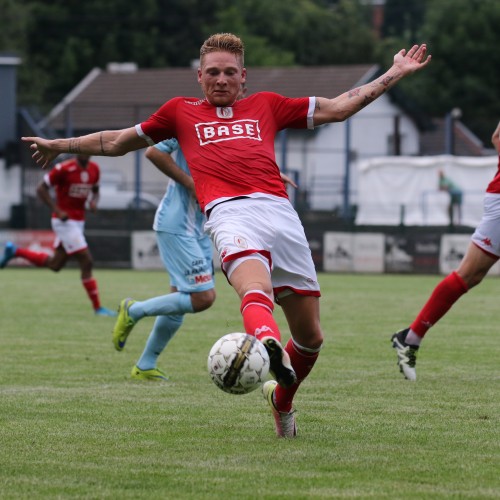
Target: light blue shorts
(188,261)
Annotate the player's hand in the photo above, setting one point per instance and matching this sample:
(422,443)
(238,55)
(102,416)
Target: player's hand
(62,215)
(413,60)
(288,180)
(43,154)
(93,205)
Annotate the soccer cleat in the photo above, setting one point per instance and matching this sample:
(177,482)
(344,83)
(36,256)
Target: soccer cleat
(154,374)
(104,311)
(124,324)
(284,421)
(8,254)
(407,354)
(279,360)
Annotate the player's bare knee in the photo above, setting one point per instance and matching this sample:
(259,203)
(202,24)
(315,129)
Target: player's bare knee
(202,300)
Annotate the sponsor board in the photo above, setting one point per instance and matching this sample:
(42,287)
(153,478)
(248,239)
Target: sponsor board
(353,252)
(145,252)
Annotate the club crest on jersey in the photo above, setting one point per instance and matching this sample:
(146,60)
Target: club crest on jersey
(225,112)
(84,176)
(240,242)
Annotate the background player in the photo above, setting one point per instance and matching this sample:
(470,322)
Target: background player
(482,253)
(75,181)
(229,146)
(186,252)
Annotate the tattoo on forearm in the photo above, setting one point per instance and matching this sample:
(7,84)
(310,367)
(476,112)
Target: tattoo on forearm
(74,146)
(385,81)
(354,92)
(102,144)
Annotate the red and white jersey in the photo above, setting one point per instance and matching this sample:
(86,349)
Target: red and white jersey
(72,184)
(494,185)
(230,151)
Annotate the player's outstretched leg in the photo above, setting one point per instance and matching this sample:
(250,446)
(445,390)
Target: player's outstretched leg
(407,354)
(284,421)
(8,254)
(124,324)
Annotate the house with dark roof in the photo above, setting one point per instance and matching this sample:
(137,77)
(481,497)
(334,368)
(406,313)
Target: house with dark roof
(322,160)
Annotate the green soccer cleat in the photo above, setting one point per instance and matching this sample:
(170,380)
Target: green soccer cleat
(286,426)
(124,324)
(154,374)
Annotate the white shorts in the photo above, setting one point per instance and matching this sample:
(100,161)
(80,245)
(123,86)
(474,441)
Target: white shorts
(69,234)
(270,230)
(487,234)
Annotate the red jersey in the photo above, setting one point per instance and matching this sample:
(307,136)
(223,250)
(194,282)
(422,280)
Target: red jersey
(494,185)
(72,184)
(230,151)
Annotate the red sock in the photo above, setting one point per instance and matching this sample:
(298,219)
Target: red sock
(442,298)
(90,285)
(257,311)
(37,258)
(302,361)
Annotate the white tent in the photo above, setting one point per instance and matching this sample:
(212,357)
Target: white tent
(405,189)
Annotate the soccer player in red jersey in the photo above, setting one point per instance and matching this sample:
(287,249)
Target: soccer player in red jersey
(482,253)
(73,181)
(229,147)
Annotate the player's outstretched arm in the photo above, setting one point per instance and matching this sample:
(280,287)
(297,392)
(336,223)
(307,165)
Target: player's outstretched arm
(345,105)
(105,143)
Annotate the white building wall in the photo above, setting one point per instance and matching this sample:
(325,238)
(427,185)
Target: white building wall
(320,159)
(10,191)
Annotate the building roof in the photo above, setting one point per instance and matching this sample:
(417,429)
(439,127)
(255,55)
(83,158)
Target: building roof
(437,142)
(119,99)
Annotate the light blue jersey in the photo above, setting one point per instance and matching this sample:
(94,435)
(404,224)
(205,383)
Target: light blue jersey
(178,211)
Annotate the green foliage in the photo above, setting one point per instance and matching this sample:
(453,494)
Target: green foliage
(464,36)
(62,40)
(73,425)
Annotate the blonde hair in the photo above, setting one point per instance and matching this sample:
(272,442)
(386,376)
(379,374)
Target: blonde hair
(224,42)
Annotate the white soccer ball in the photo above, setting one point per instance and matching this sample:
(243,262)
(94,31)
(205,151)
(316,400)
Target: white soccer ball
(238,363)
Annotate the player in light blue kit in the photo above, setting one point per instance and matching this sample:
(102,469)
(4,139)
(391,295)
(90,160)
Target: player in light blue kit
(187,255)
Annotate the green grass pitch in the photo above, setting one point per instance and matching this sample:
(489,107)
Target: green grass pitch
(73,425)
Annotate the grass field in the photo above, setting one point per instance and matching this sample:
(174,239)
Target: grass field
(73,425)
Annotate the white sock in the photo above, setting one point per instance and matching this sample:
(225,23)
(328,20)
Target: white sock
(412,338)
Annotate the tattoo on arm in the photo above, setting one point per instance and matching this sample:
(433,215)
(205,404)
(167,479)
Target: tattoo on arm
(102,144)
(385,81)
(316,105)
(74,146)
(354,92)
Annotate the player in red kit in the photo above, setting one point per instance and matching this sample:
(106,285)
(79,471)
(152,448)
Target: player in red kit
(74,181)
(229,147)
(483,252)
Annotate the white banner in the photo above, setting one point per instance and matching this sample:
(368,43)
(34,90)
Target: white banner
(353,252)
(405,189)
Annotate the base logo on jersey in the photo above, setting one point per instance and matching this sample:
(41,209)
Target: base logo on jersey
(227,131)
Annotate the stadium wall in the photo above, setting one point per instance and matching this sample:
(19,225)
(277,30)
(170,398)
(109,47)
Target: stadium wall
(412,251)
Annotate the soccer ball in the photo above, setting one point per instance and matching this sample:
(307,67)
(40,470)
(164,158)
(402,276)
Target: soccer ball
(238,363)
